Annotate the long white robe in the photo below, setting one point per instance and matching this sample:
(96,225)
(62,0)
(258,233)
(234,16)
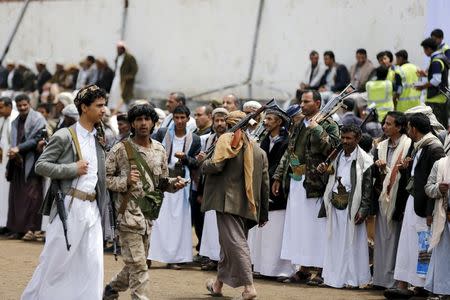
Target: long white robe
(115,94)
(346,257)
(5,144)
(78,273)
(210,246)
(171,238)
(304,233)
(265,247)
(408,246)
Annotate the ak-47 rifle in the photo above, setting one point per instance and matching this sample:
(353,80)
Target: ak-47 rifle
(334,104)
(336,150)
(244,122)
(61,209)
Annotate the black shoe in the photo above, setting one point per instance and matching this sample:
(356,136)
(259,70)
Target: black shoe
(4,231)
(396,293)
(110,294)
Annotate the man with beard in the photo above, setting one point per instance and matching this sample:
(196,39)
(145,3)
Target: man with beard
(132,182)
(237,188)
(390,196)
(347,203)
(265,243)
(309,145)
(209,246)
(25,193)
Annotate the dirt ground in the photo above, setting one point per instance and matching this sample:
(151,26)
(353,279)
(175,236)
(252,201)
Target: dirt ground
(18,260)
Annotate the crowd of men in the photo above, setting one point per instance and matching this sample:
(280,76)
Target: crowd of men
(354,199)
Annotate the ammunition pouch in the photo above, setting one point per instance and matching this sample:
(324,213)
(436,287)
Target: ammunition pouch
(150,204)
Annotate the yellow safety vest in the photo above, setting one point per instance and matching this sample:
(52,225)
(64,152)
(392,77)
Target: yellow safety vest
(439,98)
(444,48)
(380,93)
(391,74)
(410,97)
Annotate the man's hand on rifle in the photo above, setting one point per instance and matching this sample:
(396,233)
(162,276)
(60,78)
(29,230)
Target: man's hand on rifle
(322,168)
(82,167)
(133,176)
(201,156)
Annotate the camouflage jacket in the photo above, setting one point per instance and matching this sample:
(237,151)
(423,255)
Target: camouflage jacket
(311,146)
(117,170)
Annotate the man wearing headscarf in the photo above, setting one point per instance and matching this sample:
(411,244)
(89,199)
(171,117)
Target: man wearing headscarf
(237,188)
(123,83)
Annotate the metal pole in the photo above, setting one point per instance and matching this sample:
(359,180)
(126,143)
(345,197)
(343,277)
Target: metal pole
(255,45)
(124,19)
(14,31)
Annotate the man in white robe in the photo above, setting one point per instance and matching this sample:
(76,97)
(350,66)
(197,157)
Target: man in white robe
(390,186)
(437,188)
(419,208)
(76,163)
(171,239)
(310,144)
(7,115)
(347,202)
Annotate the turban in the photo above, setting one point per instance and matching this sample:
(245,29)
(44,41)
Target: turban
(234,117)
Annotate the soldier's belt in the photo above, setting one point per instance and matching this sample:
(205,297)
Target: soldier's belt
(340,201)
(81,195)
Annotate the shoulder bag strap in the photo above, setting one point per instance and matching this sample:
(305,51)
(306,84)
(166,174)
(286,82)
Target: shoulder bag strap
(126,197)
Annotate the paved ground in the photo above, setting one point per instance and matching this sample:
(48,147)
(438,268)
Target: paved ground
(18,260)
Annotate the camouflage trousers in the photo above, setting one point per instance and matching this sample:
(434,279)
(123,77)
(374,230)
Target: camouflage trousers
(134,274)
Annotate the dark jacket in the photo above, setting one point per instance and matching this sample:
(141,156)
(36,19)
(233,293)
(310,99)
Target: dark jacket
(128,72)
(423,205)
(3,77)
(42,78)
(274,157)
(105,79)
(17,80)
(341,80)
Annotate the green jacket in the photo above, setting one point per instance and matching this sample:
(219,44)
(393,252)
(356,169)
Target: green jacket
(312,147)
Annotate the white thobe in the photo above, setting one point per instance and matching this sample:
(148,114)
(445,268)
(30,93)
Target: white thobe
(210,247)
(171,239)
(408,244)
(304,233)
(115,94)
(265,247)
(78,273)
(346,257)
(5,144)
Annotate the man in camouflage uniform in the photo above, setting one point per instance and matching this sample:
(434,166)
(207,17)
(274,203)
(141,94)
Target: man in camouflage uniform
(309,145)
(134,228)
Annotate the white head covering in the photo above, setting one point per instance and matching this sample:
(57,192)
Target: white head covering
(65,98)
(71,111)
(254,105)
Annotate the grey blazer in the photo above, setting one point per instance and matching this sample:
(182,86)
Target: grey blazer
(58,161)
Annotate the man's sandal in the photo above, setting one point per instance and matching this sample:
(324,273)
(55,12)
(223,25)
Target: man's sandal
(210,287)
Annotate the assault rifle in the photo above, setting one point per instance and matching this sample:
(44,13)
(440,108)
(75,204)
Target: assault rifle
(249,119)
